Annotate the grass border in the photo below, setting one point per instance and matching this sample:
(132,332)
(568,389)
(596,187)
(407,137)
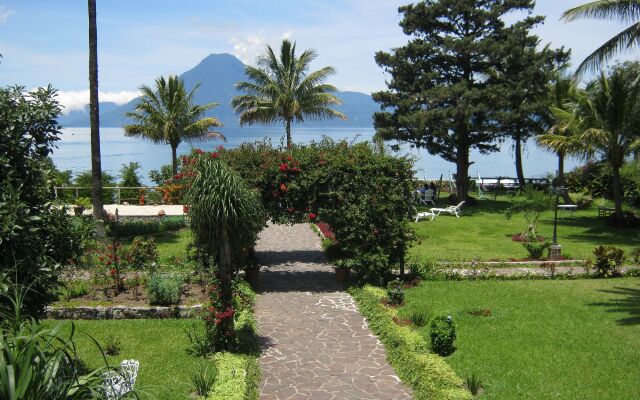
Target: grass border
(426,373)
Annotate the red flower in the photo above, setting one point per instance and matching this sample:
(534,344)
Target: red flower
(312,216)
(113,271)
(289,158)
(215,155)
(185,209)
(178,176)
(220,147)
(283,167)
(198,151)
(283,187)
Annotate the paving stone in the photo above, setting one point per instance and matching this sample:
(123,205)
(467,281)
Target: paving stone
(315,343)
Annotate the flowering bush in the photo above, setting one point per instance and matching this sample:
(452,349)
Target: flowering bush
(219,318)
(112,261)
(363,193)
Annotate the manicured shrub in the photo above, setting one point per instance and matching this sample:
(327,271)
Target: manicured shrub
(395,292)
(608,261)
(164,289)
(443,335)
(535,248)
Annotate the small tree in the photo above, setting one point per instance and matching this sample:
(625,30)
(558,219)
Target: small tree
(226,217)
(531,205)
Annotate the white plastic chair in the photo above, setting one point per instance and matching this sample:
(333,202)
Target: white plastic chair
(425,214)
(119,383)
(453,210)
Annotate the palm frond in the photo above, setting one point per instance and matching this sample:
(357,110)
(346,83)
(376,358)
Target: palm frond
(626,11)
(628,38)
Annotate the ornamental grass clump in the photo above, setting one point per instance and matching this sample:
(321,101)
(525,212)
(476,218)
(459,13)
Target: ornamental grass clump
(226,217)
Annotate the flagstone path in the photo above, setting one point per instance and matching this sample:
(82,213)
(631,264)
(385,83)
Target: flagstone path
(316,345)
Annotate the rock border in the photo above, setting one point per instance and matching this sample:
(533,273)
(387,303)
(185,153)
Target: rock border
(122,312)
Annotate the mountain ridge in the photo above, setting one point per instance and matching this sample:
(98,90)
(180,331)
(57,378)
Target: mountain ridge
(217,75)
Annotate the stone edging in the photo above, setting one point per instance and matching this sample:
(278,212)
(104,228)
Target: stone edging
(122,312)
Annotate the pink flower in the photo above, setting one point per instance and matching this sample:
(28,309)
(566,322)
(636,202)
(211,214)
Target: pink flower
(283,167)
(312,216)
(215,155)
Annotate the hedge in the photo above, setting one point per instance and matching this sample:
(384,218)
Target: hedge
(408,352)
(239,373)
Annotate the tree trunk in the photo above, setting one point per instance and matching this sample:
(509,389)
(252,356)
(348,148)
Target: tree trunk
(226,328)
(288,129)
(518,151)
(462,174)
(174,158)
(94,107)
(617,193)
(560,183)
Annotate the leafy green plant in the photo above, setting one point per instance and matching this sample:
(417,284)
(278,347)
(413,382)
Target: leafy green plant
(164,289)
(535,248)
(204,378)
(395,292)
(83,201)
(40,362)
(112,345)
(473,383)
(608,261)
(73,289)
(531,204)
(443,335)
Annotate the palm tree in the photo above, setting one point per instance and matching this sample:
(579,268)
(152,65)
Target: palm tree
(611,112)
(283,90)
(562,137)
(627,11)
(606,120)
(94,115)
(168,115)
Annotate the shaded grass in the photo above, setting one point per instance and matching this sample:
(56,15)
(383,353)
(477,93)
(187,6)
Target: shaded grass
(543,339)
(483,233)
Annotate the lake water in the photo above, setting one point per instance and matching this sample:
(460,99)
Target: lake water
(74,152)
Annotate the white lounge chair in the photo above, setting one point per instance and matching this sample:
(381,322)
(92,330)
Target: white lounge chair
(425,214)
(453,210)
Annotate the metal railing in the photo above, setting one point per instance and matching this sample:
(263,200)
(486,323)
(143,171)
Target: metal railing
(117,190)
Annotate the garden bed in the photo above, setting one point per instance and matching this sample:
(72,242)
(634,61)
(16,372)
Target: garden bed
(98,295)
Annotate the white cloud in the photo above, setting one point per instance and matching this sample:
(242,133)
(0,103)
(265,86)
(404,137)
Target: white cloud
(249,48)
(5,13)
(78,99)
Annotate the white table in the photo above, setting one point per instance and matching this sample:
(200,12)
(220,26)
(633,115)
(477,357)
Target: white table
(567,207)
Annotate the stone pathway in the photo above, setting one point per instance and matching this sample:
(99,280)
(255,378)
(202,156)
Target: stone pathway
(316,345)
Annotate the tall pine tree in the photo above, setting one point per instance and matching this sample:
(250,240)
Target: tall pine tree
(525,76)
(446,93)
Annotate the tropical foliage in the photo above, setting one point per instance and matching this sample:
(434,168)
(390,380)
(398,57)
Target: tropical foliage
(168,115)
(282,89)
(31,230)
(363,193)
(226,217)
(603,122)
(627,11)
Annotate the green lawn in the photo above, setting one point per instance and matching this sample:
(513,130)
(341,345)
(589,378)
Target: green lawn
(564,340)
(483,233)
(170,243)
(159,345)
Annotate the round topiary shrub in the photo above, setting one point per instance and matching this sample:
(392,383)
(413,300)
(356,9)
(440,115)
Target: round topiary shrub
(443,335)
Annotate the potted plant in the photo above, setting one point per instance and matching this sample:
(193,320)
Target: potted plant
(82,203)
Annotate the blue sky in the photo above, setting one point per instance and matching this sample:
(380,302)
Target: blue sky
(46,41)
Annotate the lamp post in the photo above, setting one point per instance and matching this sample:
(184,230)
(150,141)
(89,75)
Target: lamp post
(556,250)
